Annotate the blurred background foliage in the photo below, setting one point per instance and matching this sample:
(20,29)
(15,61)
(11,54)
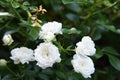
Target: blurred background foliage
(99,19)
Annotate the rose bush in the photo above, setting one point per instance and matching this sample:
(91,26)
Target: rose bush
(59,40)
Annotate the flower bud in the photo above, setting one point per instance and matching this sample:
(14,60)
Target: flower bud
(3,62)
(73,29)
(7,39)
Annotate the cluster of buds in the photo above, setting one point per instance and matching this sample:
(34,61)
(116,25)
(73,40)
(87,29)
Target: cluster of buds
(34,17)
(35,21)
(40,10)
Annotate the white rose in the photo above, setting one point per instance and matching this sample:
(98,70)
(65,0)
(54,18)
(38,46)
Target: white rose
(83,65)
(54,27)
(47,36)
(48,30)
(46,54)
(22,55)
(7,39)
(85,47)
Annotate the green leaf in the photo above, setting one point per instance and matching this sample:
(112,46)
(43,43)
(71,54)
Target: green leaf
(111,28)
(9,0)
(75,76)
(60,75)
(76,1)
(26,3)
(68,62)
(98,54)
(85,30)
(67,1)
(74,7)
(8,77)
(3,4)
(96,35)
(115,62)
(72,1)
(34,32)
(25,23)
(47,71)
(72,17)
(107,3)
(15,5)
(29,73)
(24,7)
(105,25)
(43,77)
(110,50)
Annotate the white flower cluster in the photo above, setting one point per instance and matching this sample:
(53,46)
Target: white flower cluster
(49,30)
(81,62)
(46,54)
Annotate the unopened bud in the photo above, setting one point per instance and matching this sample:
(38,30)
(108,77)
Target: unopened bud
(7,39)
(3,62)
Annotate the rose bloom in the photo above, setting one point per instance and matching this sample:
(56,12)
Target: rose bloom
(49,30)
(86,47)
(54,27)
(46,54)
(83,65)
(22,55)
(7,39)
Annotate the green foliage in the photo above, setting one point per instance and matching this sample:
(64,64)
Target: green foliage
(115,62)
(98,19)
(34,33)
